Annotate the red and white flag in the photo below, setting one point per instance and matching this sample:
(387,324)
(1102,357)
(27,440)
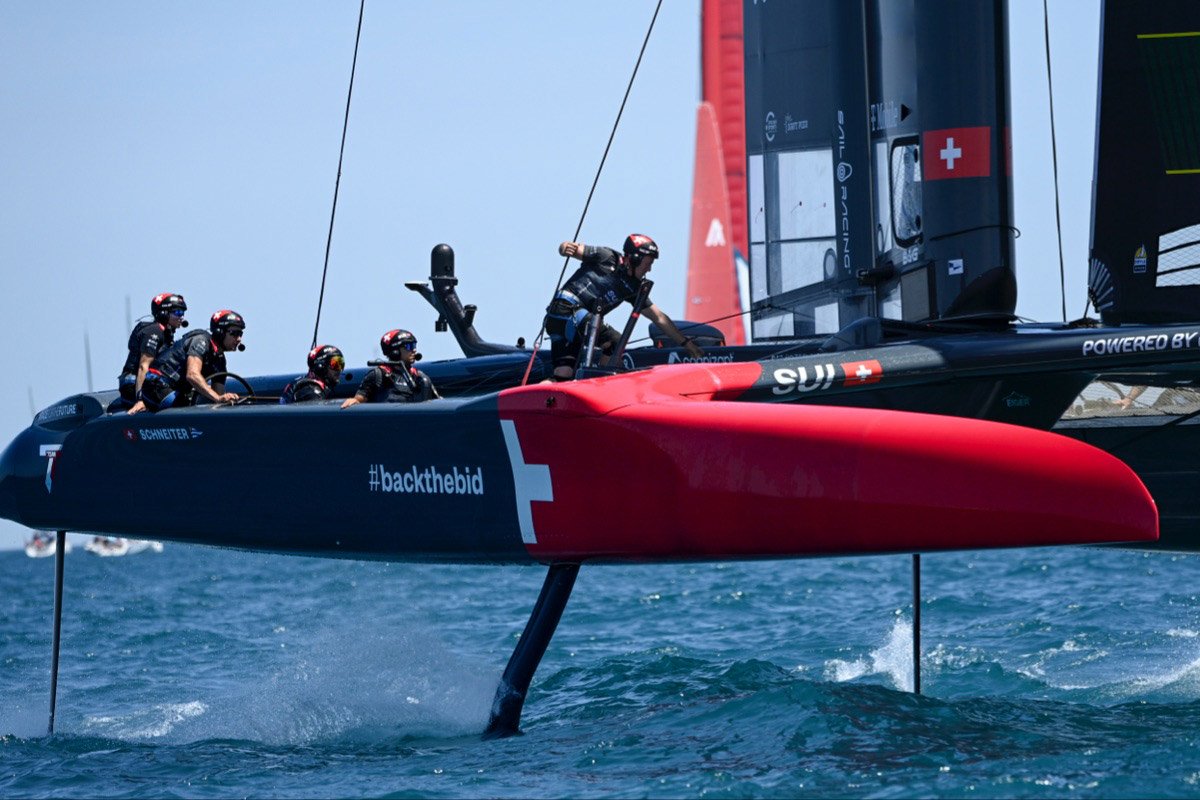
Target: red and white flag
(861,372)
(957,153)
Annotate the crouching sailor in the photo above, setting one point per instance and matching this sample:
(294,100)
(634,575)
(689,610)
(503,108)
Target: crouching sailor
(606,279)
(180,373)
(396,380)
(149,338)
(325,365)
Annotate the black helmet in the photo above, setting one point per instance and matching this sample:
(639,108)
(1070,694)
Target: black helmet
(225,320)
(322,360)
(639,247)
(162,305)
(394,343)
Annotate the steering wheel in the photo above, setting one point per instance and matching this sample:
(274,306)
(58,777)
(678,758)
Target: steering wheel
(236,377)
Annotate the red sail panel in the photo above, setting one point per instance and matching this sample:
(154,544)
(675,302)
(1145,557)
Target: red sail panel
(724,86)
(712,290)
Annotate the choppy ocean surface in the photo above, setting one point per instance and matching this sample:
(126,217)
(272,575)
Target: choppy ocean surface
(209,673)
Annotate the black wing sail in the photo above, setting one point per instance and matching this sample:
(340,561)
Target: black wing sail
(808,160)
(1146,198)
(878,163)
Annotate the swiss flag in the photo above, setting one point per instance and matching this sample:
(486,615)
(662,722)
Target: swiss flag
(861,372)
(957,153)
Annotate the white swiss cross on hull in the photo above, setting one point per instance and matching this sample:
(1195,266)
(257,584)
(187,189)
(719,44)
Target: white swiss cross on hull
(530,481)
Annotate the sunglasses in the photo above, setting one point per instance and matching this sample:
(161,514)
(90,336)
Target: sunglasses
(337,363)
(409,346)
(179,312)
(236,334)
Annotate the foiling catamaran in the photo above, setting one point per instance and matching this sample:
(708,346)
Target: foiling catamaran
(745,456)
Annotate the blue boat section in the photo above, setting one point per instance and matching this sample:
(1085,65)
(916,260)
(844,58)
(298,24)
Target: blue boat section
(433,481)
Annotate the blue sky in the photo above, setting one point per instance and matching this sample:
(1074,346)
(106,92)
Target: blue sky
(192,147)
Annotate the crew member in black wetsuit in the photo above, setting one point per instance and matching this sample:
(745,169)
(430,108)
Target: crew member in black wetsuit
(325,365)
(606,279)
(149,338)
(179,374)
(398,381)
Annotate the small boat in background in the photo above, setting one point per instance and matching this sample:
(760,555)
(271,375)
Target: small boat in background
(106,546)
(44,543)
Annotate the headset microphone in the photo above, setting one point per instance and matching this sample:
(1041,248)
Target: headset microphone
(241,347)
(417,357)
(183,324)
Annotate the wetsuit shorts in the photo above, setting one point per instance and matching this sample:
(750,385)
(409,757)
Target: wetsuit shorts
(159,394)
(567,328)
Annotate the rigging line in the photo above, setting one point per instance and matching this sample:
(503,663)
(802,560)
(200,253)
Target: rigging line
(338,182)
(1062,270)
(612,134)
(692,323)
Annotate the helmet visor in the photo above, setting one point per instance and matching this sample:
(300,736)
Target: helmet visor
(337,364)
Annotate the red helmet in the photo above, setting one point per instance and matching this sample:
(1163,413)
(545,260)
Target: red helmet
(639,247)
(395,342)
(165,304)
(225,320)
(326,362)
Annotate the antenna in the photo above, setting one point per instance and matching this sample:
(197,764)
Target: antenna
(128,315)
(32,405)
(87,359)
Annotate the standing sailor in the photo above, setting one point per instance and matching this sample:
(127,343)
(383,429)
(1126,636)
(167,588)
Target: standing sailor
(396,381)
(181,372)
(325,365)
(148,339)
(606,279)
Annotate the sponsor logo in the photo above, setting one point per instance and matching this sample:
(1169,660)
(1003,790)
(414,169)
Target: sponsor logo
(50,453)
(793,125)
(955,266)
(162,434)
(770,126)
(959,153)
(716,234)
(675,358)
(1017,400)
(429,480)
(57,412)
(1140,344)
(843,172)
(1139,260)
(884,115)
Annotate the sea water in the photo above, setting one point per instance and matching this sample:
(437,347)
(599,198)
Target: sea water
(209,673)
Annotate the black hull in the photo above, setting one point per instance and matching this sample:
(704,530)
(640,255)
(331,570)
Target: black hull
(1165,457)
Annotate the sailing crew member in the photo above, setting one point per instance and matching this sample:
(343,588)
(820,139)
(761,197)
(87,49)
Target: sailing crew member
(396,381)
(180,373)
(606,279)
(325,365)
(1128,400)
(149,338)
